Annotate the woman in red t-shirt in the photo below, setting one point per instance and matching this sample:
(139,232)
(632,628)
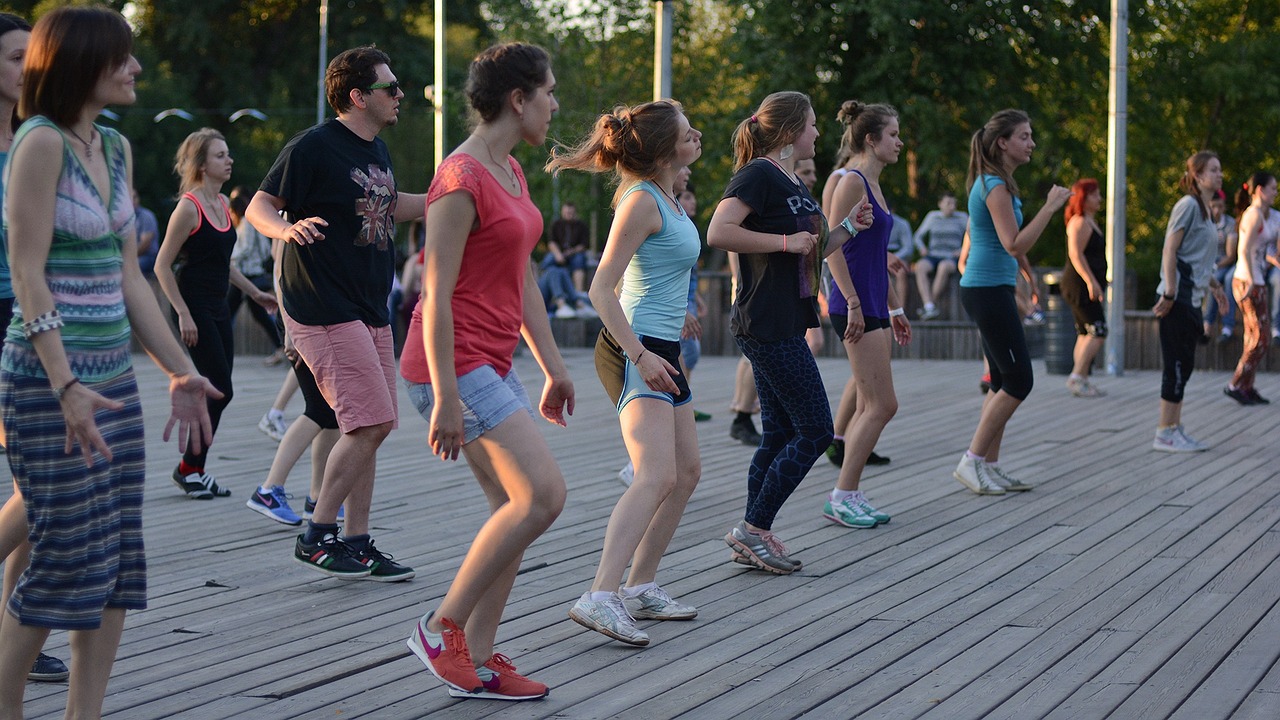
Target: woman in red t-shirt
(481,230)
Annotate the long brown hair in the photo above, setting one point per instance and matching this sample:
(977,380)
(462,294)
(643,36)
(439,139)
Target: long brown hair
(985,155)
(777,122)
(70,50)
(188,162)
(631,141)
(1188,183)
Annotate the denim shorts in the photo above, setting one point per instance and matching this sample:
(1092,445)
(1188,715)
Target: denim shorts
(487,400)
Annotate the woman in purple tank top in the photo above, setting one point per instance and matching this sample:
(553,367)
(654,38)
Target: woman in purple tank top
(864,309)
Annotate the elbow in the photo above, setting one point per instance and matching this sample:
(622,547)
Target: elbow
(715,238)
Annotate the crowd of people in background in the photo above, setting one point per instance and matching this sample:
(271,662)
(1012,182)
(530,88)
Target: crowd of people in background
(313,250)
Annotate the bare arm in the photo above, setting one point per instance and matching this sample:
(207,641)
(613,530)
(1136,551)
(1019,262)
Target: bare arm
(1020,241)
(1078,232)
(725,232)
(636,219)
(182,223)
(264,213)
(409,206)
(448,225)
(1169,272)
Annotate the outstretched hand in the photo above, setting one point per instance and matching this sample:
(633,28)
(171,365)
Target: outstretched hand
(79,403)
(189,410)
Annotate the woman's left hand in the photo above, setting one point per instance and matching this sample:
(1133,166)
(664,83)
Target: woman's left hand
(692,329)
(189,410)
(557,399)
(862,216)
(901,329)
(856,327)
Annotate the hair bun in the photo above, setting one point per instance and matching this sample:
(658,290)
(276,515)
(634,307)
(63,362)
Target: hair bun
(849,111)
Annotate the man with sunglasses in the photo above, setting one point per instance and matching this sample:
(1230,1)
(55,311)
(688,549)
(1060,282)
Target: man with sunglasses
(335,185)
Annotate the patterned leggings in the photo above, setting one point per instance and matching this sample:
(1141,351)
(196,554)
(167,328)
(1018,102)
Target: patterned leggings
(1252,301)
(795,422)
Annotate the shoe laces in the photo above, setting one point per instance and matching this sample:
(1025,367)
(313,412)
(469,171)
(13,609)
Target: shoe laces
(657,592)
(372,552)
(774,544)
(281,495)
(620,610)
(501,664)
(456,642)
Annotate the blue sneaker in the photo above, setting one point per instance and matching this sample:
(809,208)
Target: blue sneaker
(274,504)
(309,506)
(48,669)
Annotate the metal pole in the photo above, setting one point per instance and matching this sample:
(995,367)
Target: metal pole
(324,60)
(1117,133)
(439,96)
(663,14)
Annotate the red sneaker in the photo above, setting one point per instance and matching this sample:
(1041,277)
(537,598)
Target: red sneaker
(446,655)
(502,682)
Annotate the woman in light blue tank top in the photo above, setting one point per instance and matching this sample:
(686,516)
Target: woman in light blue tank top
(652,246)
(997,239)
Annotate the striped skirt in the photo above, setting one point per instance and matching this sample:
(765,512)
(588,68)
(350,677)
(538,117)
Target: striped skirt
(85,522)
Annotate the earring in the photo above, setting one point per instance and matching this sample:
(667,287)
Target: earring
(786,151)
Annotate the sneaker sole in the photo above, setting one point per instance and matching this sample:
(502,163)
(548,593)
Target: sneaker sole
(421,654)
(391,578)
(842,523)
(643,615)
(266,512)
(742,560)
(486,695)
(49,677)
(751,557)
(589,624)
(1171,449)
(200,494)
(975,490)
(331,573)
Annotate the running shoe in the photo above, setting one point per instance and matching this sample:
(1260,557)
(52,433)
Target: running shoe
(744,431)
(1240,396)
(874,459)
(1256,398)
(608,617)
(565,312)
(273,427)
(199,486)
(973,474)
(881,517)
(330,556)
(699,416)
(1082,388)
(1174,440)
(309,507)
(835,452)
(274,504)
(446,655)
(848,513)
(656,604)
(763,550)
(382,568)
(48,669)
(929,313)
(501,682)
(1007,481)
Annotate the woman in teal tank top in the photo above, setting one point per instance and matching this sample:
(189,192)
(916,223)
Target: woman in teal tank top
(651,248)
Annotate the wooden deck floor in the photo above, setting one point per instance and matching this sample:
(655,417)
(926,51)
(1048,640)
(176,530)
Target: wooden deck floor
(1129,584)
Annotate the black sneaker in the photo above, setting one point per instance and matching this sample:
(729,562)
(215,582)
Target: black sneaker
(48,669)
(330,556)
(835,453)
(744,431)
(1257,399)
(382,568)
(1238,395)
(199,486)
(874,459)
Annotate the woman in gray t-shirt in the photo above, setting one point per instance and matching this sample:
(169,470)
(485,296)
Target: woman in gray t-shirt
(1186,272)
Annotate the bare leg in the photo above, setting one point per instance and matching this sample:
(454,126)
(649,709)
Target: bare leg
(19,646)
(877,404)
(644,565)
(745,398)
(515,458)
(92,654)
(320,449)
(942,278)
(349,478)
(848,404)
(1087,347)
(923,268)
(287,389)
(997,408)
(1170,413)
(295,441)
(815,339)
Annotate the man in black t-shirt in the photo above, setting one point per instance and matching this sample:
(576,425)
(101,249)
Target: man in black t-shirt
(334,181)
(570,240)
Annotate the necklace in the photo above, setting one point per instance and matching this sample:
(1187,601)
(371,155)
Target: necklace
(88,144)
(679,207)
(505,166)
(790,176)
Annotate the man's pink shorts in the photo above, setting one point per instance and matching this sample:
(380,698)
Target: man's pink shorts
(345,359)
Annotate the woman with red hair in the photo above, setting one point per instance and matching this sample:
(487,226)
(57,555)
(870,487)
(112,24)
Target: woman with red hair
(1084,282)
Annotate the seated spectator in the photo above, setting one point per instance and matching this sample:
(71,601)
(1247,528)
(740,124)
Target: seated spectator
(945,229)
(569,245)
(559,295)
(901,246)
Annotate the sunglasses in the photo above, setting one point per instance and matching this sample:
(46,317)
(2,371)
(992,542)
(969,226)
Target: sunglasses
(392,87)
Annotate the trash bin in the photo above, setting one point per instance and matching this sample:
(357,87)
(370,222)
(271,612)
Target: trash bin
(1059,329)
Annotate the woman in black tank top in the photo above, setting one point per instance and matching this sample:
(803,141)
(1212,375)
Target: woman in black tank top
(194,268)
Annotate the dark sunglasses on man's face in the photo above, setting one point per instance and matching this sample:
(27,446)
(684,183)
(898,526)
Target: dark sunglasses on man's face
(392,88)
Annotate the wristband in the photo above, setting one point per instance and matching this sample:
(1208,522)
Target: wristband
(1170,298)
(849,228)
(58,392)
(896,312)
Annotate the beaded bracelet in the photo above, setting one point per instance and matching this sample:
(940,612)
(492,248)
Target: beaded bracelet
(51,320)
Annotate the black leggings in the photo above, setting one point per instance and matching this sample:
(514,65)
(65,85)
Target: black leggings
(318,409)
(1180,330)
(995,311)
(259,314)
(213,356)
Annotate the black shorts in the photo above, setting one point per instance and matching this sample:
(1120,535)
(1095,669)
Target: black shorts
(622,381)
(840,323)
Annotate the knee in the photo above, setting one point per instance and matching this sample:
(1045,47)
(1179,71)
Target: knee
(820,437)
(547,504)
(687,479)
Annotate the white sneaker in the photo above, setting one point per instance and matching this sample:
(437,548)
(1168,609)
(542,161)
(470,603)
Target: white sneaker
(1005,480)
(1175,440)
(586,312)
(608,617)
(656,604)
(974,475)
(627,474)
(273,427)
(564,312)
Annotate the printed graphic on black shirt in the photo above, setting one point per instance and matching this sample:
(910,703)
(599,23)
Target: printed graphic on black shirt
(377,208)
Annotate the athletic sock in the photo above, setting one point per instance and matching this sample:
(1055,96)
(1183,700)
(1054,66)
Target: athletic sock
(638,590)
(315,532)
(274,414)
(969,454)
(600,595)
(835,438)
(838,496)
(184,469)
(357,542)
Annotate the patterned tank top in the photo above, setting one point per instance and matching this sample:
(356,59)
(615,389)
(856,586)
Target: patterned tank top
(84,268)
